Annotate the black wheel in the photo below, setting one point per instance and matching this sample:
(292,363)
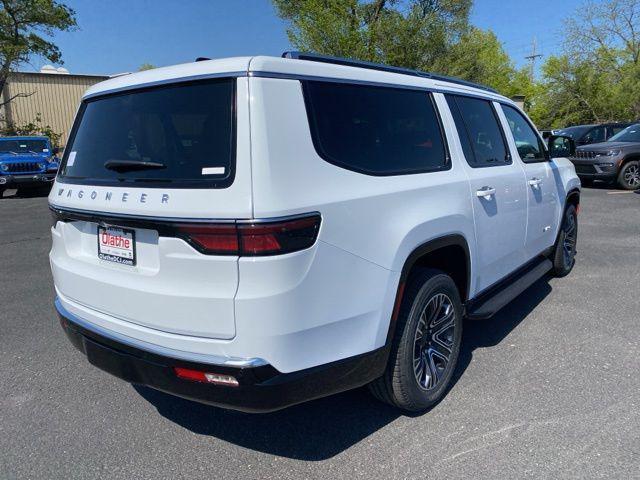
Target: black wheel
(564,257)
(426,343)
(629,176)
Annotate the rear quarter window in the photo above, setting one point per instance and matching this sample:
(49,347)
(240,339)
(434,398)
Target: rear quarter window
(375,130)
(186,130)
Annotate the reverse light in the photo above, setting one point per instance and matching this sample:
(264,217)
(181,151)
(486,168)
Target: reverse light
(205,377)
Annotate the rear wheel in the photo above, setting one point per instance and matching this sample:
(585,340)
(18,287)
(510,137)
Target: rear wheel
(426,344)
(564,257)
(629,176)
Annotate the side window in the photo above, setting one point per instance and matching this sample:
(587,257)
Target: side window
(615,130)
(528,143)
(375,130)
(595,135)
(484,136)
(462,130)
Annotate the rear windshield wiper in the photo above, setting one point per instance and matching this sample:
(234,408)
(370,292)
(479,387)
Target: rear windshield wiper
(130,165)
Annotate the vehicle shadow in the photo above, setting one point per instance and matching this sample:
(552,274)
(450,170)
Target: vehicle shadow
(323,428)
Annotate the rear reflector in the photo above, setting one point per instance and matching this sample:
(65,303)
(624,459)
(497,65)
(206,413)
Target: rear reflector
(205,377)
(252,238)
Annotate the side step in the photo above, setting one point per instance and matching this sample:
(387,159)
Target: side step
(489,302)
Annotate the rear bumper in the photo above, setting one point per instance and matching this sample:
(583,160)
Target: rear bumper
(261,388)
(23,180)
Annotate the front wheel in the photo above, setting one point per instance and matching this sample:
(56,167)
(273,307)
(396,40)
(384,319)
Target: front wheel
(629,176)
(564,257)
(426,344)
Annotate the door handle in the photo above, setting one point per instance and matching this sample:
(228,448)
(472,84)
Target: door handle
(486,192)
(534,182)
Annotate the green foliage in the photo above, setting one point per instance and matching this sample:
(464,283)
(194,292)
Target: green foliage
(431,35)
(22,26)
(34,127)
(146,66)
(597,77)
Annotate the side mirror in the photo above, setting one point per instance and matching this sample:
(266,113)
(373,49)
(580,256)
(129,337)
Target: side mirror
(55,150)
(561,146)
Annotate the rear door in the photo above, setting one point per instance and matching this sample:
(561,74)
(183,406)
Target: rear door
(542,190)
(497,189)
(144,175)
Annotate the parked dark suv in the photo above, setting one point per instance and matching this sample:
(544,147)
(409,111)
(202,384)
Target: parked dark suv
(588,134)
(617,160)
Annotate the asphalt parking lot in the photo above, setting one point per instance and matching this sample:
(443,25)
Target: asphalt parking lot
(549,388)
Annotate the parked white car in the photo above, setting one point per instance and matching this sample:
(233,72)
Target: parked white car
(256,232)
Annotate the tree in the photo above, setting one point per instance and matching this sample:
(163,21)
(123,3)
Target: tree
(411,34)
(597,77)
(24,24)
(430,35)
(146,66)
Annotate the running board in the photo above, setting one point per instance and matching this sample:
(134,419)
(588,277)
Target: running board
(488,303)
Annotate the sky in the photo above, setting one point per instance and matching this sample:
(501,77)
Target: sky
(120,35)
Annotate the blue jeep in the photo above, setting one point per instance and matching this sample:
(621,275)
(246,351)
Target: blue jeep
(27,163)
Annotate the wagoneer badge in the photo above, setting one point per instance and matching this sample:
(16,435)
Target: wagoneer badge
(124,197)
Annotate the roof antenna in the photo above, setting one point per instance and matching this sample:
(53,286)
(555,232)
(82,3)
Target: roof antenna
(202,59)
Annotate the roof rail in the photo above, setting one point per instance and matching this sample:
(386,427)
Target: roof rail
(315,57)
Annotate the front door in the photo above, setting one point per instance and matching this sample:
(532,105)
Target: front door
(542,191)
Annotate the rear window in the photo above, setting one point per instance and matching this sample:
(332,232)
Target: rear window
(375,130)
(182,135)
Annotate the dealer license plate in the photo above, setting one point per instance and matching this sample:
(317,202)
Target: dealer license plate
(117,245)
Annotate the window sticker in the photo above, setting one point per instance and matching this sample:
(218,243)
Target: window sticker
(72,158)
(213,171)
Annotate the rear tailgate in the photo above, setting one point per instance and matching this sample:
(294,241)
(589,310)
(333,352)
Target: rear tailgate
(143,273)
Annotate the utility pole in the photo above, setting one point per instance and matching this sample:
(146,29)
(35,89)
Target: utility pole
(532,58)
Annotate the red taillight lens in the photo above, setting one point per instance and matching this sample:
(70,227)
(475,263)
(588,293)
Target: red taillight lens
(219,239)
(252,238)
(270,238)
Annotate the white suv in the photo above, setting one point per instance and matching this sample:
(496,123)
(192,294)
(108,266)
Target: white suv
(257,232)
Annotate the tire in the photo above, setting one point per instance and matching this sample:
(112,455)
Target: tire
(434,294)
(564,255)
(629,176)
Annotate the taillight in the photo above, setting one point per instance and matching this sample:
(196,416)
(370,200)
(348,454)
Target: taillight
(221,239)
(252,238)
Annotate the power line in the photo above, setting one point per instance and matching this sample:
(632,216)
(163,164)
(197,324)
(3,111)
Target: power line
(532,57)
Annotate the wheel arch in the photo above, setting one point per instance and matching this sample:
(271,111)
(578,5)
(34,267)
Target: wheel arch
(436,253)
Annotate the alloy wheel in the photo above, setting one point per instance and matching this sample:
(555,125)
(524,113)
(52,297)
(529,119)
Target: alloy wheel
(570,240)
(433,341)
(632,176)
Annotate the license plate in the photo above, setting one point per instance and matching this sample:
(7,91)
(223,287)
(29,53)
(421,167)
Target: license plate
(117,245)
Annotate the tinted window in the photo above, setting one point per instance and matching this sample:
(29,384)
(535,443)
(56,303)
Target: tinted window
(595,135)
(375,130)
(483,132)
(462,130)
(185,130)
(529,145)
